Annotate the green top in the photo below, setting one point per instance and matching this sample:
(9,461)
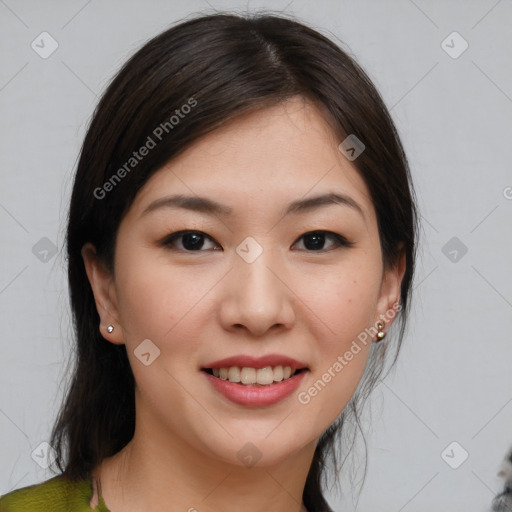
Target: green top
(57,494)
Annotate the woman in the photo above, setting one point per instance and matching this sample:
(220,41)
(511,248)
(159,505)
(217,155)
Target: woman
(241,238)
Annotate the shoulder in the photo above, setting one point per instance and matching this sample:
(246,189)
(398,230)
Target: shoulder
(57,494)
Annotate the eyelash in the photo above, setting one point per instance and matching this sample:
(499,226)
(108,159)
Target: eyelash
(339,240)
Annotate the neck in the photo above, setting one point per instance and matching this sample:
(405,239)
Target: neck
(156,472)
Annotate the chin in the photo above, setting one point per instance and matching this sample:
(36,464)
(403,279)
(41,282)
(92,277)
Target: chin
(262,450)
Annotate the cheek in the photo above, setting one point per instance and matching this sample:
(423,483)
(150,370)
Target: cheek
(345,304)
(343,299)
(156,302)
(153,296)
(142,304)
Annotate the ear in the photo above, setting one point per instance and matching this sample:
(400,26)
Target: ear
(103,288)
(390,289)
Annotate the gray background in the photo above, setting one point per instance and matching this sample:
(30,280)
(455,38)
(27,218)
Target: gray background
(453,381)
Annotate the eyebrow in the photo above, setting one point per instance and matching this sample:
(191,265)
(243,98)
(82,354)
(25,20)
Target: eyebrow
(208,206)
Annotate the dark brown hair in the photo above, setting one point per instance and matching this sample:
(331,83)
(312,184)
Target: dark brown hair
(228,65)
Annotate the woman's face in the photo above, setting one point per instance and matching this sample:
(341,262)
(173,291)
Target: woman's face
(251,284)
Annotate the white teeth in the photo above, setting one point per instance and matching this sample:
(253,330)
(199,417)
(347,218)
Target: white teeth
(265,376)
(234,374)
(278,374)
(250,376)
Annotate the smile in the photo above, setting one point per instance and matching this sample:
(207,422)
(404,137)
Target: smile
(254,394)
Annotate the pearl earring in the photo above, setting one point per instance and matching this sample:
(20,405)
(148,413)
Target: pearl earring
(381,334)
(110,328)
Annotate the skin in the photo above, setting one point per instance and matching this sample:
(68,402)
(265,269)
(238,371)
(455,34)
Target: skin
(198,306)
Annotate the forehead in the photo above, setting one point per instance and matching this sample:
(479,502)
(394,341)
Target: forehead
(263,159)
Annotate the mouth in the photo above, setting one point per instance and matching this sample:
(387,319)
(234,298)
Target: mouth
(247,376)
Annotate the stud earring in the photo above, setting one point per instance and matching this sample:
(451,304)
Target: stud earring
(110,328)
(381,334)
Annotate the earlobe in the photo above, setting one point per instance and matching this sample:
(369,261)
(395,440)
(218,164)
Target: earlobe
(102,285)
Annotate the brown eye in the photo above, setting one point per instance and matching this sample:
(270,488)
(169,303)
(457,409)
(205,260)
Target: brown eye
(314,241)
(192,241)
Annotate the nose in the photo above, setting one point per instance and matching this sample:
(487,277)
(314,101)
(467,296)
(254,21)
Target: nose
(256,297)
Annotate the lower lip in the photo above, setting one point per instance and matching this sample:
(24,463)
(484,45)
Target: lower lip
(256,396)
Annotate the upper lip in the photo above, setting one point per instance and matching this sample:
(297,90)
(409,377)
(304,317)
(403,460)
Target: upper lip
(257,362)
